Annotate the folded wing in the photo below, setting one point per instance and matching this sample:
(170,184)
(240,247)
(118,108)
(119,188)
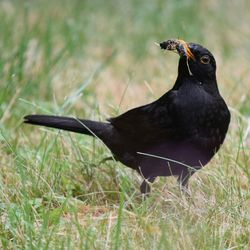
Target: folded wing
(151,123)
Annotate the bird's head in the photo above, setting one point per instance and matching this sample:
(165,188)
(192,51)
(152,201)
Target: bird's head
(195,60)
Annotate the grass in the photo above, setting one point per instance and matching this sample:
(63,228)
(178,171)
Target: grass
(97,59)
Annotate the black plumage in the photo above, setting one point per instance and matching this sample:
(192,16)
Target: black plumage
(175,135)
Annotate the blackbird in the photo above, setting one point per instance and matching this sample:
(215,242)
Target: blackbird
(175,135)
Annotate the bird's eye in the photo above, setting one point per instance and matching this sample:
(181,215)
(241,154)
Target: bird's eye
(205,59)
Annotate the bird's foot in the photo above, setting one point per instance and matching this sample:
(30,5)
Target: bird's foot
(145,187)
(185,191)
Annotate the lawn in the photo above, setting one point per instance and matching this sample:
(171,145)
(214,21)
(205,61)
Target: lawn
(95,59)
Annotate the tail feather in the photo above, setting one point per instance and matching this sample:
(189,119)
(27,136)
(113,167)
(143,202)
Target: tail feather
(67,123)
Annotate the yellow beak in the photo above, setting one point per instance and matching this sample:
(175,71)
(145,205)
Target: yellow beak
(187,49)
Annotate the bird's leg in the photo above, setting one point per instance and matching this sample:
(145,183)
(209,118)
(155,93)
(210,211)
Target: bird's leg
(145,186)
(183,180)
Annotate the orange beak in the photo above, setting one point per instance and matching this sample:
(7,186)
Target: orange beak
(187,49)
(180,45)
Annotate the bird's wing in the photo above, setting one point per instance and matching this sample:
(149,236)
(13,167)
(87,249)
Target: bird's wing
(150,123)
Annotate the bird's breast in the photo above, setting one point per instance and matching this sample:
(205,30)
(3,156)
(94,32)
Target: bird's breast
(204,120)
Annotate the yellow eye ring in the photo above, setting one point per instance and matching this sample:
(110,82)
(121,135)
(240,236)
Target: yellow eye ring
(205,59)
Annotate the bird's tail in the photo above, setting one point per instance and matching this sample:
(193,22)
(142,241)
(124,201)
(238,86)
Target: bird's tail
(87,127)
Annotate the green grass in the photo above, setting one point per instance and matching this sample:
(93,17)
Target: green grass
(97,59)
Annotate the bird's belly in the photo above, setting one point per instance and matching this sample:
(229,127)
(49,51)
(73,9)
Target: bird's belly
(171,158)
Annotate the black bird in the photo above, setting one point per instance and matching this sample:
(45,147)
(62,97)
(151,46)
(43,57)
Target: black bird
(175,135)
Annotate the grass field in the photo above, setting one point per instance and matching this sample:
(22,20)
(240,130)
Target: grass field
(97,59)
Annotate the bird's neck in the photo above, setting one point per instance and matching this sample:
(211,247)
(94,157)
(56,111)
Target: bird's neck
(209,85)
